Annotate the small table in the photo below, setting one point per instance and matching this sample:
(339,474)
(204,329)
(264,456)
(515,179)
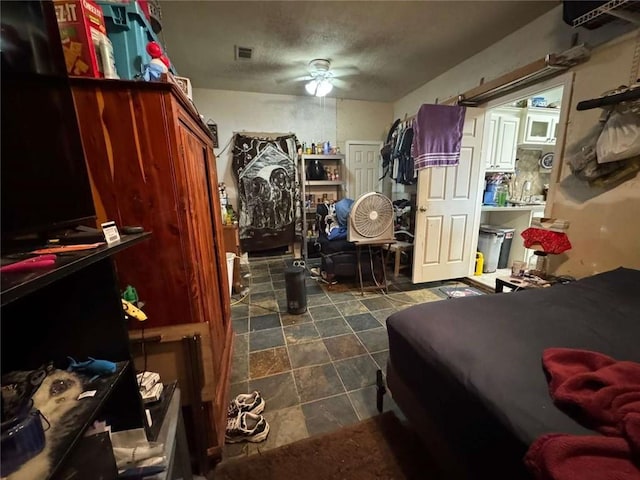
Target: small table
(517,284)
(380,244)
(398,248)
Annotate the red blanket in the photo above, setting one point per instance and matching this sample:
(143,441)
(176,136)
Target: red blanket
(600,393)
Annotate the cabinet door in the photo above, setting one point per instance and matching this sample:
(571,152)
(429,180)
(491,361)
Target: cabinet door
(491,142)
(210,290)
(507,142)
(538,128)
(554,129)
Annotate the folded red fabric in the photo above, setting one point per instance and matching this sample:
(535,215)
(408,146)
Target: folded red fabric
(551,242)
(603,394)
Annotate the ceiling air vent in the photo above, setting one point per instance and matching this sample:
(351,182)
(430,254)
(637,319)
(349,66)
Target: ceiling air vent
(244,53)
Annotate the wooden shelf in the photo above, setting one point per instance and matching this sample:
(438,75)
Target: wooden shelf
(337,156)
(16,285)
(73,424)
(324,183)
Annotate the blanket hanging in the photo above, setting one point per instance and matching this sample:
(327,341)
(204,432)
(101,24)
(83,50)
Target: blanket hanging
(437,135)
(265,171)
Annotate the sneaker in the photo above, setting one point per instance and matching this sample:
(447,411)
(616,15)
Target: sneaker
(246,427)
(246,402)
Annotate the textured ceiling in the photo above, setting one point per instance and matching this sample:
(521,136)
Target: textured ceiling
(380,50)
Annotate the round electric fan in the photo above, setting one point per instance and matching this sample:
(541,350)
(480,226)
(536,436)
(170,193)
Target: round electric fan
(371,219)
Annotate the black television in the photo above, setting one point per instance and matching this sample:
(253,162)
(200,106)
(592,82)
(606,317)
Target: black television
(44,181)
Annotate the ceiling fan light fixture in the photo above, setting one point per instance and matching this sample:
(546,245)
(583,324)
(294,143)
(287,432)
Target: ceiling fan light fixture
(324,87)
(320,84)
(311,87)
(319,88)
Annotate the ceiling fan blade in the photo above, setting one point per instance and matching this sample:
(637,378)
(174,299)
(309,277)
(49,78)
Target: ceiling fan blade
(294,80)
(341,84)
(345,71)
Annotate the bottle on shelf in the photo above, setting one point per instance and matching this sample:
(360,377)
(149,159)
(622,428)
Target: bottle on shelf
(501,195)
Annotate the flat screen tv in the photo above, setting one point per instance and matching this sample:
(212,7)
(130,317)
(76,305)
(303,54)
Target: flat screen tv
(44,180)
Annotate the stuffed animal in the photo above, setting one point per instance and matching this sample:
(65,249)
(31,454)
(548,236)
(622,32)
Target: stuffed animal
(92,366)
(330,220)
(158,65)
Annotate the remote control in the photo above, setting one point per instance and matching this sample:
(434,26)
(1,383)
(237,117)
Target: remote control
(132,230)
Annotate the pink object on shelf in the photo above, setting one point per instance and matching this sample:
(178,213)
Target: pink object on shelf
(41,261)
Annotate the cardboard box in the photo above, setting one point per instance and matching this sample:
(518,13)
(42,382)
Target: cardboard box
(87,49)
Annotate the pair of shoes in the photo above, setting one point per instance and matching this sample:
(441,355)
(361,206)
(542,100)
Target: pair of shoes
(244,422)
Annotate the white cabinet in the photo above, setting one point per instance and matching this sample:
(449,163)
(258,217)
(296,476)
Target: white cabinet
(501,139)
(540,125)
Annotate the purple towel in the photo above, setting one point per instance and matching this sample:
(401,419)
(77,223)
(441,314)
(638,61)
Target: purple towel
(437,136)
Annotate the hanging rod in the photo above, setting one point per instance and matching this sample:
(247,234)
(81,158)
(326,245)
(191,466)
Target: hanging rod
(631,94)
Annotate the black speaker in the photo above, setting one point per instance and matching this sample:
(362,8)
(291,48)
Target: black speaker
(296,290)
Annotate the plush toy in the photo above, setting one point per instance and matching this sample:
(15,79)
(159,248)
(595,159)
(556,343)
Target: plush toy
(158,65)
(92,366)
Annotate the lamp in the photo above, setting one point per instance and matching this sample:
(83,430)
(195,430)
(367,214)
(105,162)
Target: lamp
(319,87)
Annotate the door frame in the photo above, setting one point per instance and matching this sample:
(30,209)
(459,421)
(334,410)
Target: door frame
(347,163)
(564,80)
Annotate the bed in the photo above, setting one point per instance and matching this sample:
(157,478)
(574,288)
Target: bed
(467,372)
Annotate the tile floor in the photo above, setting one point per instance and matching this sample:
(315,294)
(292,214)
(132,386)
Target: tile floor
(316,371)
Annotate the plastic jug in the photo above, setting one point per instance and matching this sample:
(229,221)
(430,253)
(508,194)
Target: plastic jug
(479,263)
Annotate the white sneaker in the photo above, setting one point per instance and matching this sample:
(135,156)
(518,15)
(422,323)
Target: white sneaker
(246,402)
(246,427)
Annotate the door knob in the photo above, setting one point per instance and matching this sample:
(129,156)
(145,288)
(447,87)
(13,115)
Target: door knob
(423,209)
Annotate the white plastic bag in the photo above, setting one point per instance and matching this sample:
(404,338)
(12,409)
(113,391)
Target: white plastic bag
(620,138)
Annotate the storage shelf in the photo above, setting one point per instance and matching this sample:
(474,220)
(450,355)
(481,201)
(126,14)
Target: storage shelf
(337,156)
(82,415)
(615,8)
(514,208)
(18,284)
(325,183)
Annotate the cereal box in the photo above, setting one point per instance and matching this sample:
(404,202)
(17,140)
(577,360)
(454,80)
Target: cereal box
(87,49)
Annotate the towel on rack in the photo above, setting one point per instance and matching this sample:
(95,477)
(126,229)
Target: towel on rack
(437,135)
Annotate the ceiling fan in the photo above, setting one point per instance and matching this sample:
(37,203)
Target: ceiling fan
(322,78)
(321,82)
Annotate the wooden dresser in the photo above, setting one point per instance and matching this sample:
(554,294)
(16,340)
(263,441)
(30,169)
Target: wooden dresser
(151,163)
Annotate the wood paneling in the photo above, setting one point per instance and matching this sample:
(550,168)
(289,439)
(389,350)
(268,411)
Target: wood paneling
(151,163)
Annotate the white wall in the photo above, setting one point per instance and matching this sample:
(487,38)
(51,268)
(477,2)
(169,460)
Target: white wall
(312,119)
(604,227)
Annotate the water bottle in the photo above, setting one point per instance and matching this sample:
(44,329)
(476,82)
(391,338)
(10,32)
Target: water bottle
(501,195)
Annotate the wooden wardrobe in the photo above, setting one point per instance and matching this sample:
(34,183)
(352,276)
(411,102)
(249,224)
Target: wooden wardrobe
(151,163)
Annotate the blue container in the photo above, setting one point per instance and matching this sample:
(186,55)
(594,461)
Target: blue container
(22,439)
(490,194)
(129,32)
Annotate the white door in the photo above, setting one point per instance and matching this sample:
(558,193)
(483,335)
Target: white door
(448,210)
(364,168)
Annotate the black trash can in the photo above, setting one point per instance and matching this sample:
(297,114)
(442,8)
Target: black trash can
(505,249)
(296,290)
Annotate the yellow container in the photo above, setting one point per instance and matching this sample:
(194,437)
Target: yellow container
(479,263)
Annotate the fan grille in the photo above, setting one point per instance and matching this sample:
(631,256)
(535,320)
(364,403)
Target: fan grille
(372,215)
